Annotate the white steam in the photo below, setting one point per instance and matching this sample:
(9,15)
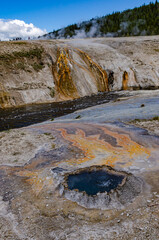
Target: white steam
(93,28)
(94,31)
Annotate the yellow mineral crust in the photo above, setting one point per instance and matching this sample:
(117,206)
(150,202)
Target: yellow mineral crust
(99,74)
(125,81)
(4,97)
(97,148)
(37,179)
(62,74)
(102,152)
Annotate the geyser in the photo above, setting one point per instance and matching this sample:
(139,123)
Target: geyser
(93,182)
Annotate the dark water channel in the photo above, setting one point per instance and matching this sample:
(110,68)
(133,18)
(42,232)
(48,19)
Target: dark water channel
(94,182)
(36,113)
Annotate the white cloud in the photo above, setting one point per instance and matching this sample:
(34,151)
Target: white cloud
(10,29)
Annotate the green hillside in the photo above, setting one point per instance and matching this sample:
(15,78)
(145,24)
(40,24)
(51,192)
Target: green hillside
(139,21)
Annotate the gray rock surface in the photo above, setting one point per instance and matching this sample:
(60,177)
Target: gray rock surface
(68,69)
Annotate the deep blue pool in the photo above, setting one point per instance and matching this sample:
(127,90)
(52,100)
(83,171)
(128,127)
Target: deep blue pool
(94,181)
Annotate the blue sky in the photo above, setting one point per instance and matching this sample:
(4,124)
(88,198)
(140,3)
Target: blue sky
(54,14)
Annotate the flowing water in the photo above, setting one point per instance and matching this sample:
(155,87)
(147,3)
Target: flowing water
(36,113)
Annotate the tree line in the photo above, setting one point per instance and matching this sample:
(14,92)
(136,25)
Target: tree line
(139,21)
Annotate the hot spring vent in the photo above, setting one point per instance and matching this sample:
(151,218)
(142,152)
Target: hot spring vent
(94,182)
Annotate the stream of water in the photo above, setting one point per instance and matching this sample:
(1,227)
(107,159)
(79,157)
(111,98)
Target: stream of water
(36,113)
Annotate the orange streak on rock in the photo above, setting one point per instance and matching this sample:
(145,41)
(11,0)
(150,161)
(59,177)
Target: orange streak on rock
(102,152)
(129,146)
(36,179)
(96,152)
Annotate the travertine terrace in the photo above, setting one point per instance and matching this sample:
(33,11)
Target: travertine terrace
(56,70)
(36,161)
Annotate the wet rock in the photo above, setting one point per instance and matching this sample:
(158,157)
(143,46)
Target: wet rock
(76,69)
(122,194)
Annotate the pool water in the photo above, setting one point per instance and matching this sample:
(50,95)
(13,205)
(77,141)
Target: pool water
(94,182)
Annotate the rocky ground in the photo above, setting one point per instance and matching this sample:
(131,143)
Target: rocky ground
(151,125)
(35,202)
(18,146)
(32,205)
(55,70)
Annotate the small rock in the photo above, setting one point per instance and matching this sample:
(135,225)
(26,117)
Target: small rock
(79,116)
